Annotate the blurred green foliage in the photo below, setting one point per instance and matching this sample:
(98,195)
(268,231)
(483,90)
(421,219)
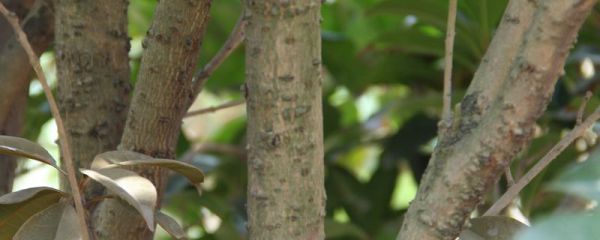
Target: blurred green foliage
(382,61)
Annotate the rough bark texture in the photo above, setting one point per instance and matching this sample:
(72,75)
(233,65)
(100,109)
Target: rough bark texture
(93,74)
(160,100)
(15,73)
(286,196)
(510,91)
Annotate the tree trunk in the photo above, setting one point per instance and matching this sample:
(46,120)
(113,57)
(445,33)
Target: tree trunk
(161,97)
(15,73)
(286,196)
(93,72)
(509,92)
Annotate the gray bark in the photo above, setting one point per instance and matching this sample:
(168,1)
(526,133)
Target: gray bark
(286,196)
(93,74)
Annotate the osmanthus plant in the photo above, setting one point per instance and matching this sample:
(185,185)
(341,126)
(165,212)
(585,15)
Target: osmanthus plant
(48,213)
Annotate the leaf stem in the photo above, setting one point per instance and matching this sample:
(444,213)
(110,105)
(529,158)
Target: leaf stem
(64,142)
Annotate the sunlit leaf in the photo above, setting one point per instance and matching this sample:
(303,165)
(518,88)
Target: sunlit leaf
(492,227)
(17,207)
(58,222)
(139,192)
(192,173)
(559,227)
(21,147)
(170,225)
(105,159)
(129,158)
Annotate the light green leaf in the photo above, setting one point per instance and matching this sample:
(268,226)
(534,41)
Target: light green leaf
(17,207)
(583,179)
(492,227)
(21,147)
(170,225)
(58,222)
(560,227)
(139,192)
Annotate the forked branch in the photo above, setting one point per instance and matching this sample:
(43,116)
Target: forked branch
(236,37)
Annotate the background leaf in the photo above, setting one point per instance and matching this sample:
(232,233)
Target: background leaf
(492,227)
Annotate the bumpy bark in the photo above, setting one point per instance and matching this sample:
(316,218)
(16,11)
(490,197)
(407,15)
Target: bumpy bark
(15,73)
(286,197)
(510,91)
(93,74)
(160,100)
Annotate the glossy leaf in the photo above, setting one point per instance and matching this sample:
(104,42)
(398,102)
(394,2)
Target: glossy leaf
(20,147)
(139,192)
(58,222)
(17,207)
(170,225)
(492,227)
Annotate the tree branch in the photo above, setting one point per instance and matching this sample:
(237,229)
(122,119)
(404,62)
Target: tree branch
(215,108)
(236,37)
(514,190)
(64,142)
(509,92)
(160,100)
(446,121)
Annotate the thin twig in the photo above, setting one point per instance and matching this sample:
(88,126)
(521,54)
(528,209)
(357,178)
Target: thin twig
(64,143)
(450,32)
(510,181)
(513,191)
(236,37)
(586,99)
(215,108)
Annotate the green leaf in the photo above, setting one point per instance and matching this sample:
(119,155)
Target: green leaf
(582,179)
(139,192)
(170,225)
(17,207)
(21,147)
(559,227)
(129,158)
(58,222)
(492,227)
(340,230)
